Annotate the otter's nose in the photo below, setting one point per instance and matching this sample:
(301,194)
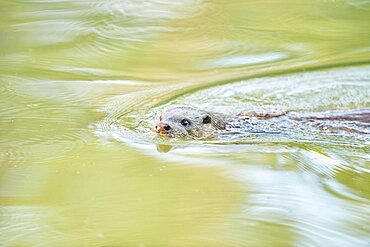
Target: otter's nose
(162,126)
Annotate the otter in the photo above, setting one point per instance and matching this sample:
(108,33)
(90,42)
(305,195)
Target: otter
(188,122)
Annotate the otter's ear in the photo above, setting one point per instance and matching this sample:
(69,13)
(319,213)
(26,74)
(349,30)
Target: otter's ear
(206,119)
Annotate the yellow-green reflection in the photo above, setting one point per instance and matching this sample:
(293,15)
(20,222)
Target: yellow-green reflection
(71,70)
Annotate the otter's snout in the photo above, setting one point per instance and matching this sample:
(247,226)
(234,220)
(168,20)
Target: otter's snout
(162,127)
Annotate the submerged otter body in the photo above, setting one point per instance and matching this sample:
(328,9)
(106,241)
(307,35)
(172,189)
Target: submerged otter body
(187,122)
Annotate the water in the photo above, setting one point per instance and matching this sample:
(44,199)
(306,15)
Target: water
(82,82)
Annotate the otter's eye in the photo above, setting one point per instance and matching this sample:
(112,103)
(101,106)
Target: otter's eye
(185,122)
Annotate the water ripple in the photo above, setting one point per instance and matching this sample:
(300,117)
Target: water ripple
(234,61)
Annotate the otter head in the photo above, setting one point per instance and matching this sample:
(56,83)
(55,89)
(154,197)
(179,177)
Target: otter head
(189,122)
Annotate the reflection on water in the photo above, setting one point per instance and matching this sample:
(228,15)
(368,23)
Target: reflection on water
(81,83)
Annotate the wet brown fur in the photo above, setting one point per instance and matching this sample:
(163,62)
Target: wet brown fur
(202,123)
(206,123)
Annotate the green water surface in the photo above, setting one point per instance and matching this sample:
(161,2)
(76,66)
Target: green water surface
(82,82)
